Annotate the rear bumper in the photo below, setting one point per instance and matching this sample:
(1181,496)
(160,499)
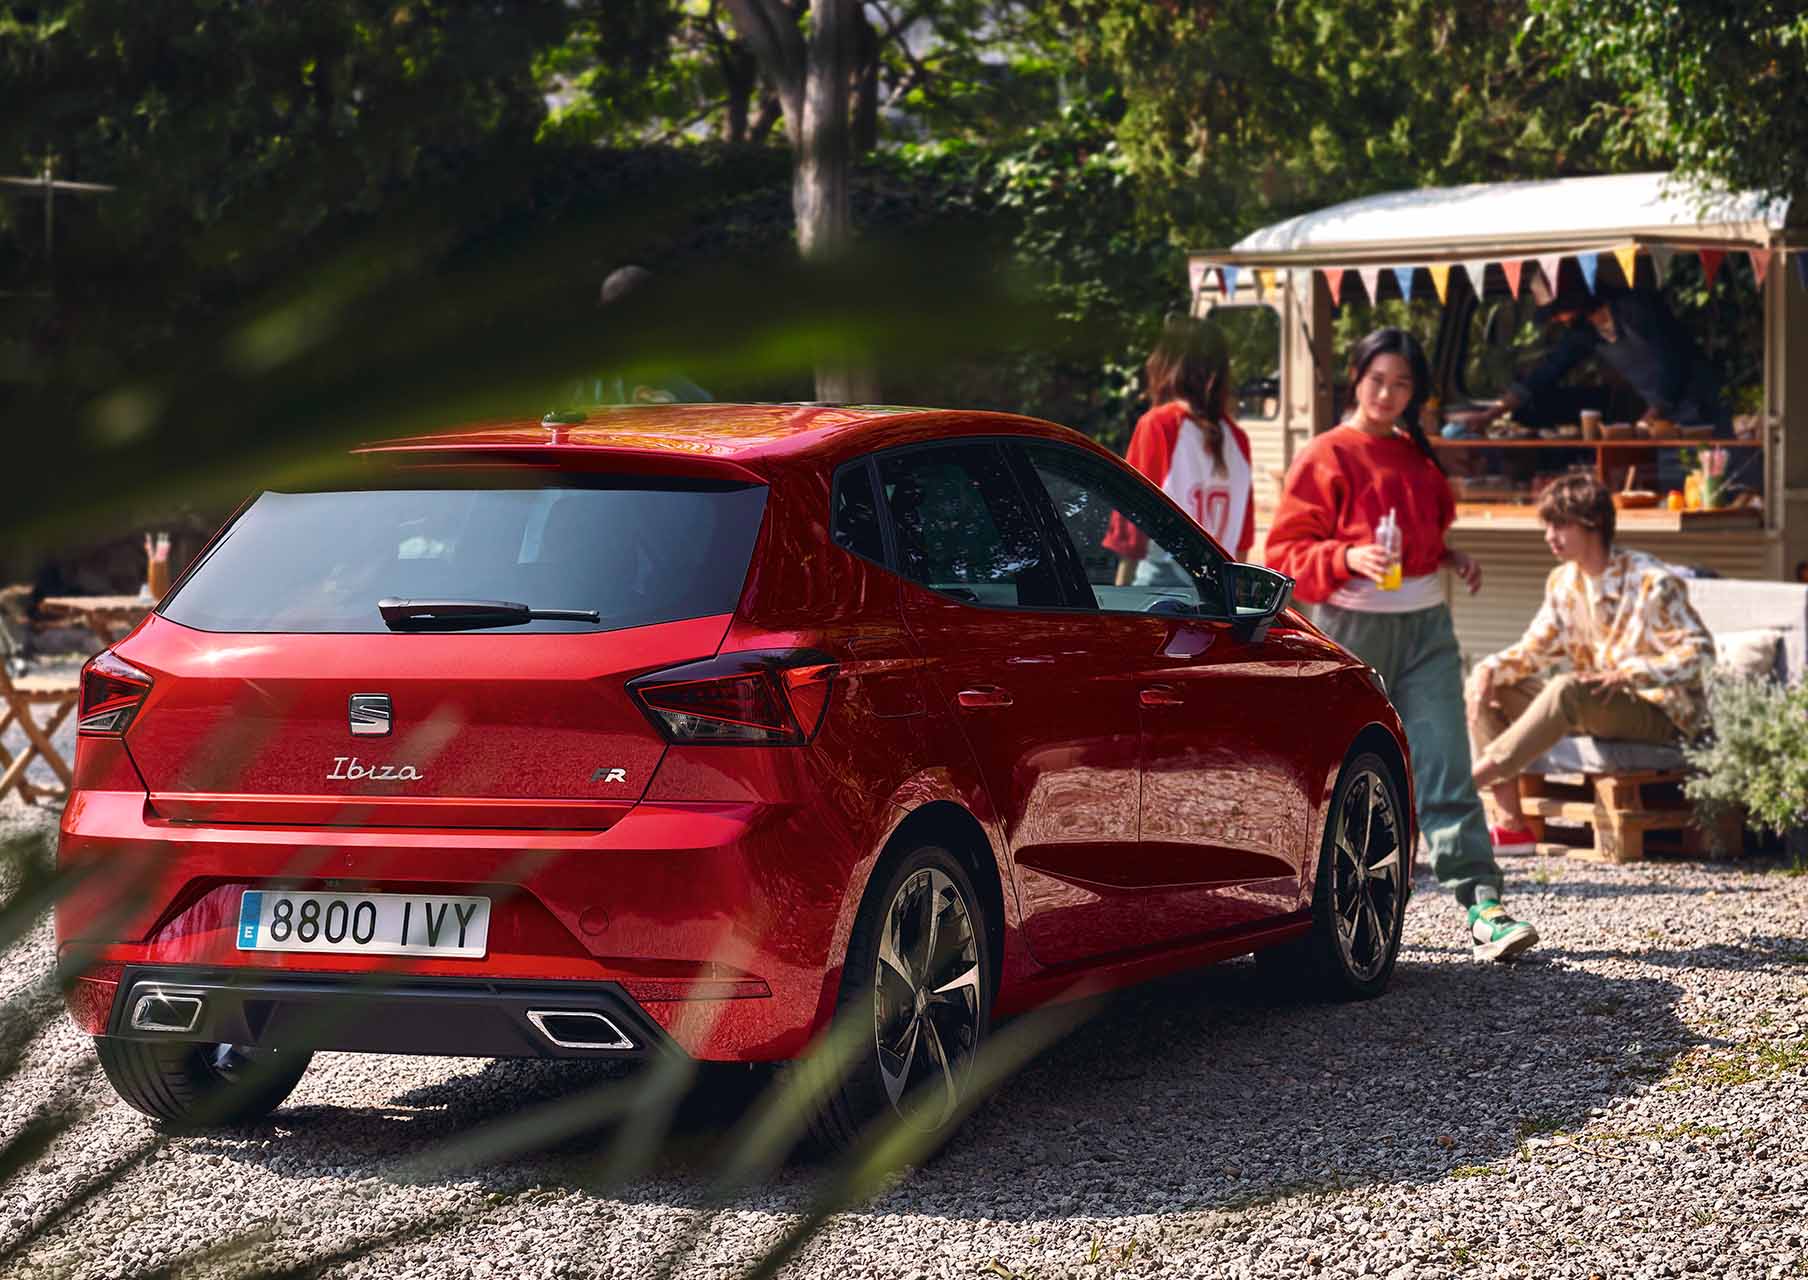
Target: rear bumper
(357,1015)
(720,925)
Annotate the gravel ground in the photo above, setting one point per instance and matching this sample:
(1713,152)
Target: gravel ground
(1632,1100)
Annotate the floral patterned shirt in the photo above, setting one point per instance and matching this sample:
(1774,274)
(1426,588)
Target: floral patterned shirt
(1635,618)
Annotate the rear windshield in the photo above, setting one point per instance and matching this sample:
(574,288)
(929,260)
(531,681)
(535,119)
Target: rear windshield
(637,550)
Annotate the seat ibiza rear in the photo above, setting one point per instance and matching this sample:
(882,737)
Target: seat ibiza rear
(690,729)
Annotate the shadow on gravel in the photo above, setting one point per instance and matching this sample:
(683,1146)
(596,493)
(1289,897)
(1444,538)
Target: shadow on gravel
(1196,1092)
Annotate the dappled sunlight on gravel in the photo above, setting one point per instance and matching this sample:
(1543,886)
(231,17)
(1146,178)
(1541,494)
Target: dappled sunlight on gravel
(1628,1101)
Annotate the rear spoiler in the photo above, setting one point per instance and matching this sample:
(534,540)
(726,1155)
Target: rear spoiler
(662,458)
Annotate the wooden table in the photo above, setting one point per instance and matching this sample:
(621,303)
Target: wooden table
(19,695)
(106,616)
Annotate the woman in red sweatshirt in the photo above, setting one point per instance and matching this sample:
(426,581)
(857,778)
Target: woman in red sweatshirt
(1386,604)
(1188,447)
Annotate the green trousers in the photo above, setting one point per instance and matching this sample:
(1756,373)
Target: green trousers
(1416,654)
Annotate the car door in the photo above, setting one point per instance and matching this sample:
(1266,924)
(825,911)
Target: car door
(1223,794)
(1012,656)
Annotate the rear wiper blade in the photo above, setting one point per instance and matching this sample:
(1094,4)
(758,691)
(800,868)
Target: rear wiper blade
(470,615)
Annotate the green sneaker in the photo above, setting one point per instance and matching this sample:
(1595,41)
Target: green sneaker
(1497,935)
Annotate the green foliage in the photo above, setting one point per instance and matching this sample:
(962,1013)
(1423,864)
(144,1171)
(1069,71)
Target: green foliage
(1714,86)
(1062,207)
(1241,111)
(1757,759)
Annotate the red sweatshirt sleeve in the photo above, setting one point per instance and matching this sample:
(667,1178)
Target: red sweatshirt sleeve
(1151,452)
(1303,541)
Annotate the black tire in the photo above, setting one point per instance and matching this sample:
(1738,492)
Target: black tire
(1357,919)
(197,1086)
(905,993)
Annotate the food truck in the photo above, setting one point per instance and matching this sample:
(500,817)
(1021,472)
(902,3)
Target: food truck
(1468,267)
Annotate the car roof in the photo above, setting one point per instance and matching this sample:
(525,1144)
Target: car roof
(722,439)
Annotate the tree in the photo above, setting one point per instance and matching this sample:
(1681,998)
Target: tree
(1241,111)
(1713,86)
(813,77)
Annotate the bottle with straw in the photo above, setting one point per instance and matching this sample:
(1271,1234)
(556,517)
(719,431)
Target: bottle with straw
(1387,537)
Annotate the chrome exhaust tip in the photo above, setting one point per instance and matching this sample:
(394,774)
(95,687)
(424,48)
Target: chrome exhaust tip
(578,1029)
(166,1011)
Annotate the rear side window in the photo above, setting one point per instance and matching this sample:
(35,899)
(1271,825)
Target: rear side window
(856,522)
(963,528)
(637,550)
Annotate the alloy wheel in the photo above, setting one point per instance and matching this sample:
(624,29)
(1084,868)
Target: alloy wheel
(1368,874)
(926,996)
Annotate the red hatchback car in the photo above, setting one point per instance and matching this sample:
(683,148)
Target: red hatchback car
(692,729)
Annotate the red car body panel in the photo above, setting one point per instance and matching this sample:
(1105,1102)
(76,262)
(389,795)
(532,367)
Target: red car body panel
(1150,793)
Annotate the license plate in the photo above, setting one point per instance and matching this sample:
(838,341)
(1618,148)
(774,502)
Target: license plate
(383,924)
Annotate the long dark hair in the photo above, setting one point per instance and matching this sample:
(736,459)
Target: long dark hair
(1398,342)
(1191,362)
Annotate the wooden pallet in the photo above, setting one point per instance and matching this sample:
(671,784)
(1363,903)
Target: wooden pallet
(1621,810)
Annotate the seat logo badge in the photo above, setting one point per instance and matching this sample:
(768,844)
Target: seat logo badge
(601,774)
(370,715)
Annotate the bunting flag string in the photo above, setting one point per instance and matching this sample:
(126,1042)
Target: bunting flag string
(1710,264)
(1591,268)
(1227,281)
(1277,281)
(1627,256)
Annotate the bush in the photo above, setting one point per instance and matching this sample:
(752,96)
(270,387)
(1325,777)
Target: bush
(1757,757)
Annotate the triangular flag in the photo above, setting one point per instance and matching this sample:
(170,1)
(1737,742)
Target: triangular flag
(1196,270)
(1551,265)
(1371,280)
(1627,256)
(1403,277)
(1440,279)
(1710,265)
(1661,255)
(1477,271)
(1591,268)
(1760,260)
(1227,277)
(1513,267)
(1334,284)
(1266,278)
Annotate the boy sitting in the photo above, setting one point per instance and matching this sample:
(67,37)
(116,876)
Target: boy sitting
(1638,656)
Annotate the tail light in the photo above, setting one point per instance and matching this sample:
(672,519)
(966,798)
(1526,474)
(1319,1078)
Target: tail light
(112,691)
(774,698)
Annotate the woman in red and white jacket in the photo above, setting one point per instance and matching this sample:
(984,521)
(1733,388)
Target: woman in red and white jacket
(1386,604)
(1189,447)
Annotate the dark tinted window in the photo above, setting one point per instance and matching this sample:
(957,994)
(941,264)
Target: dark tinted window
(856,523)
(963,528)
(1136,552)
(636,550)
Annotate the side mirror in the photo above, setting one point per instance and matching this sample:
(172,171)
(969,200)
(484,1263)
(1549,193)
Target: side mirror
(1257,596)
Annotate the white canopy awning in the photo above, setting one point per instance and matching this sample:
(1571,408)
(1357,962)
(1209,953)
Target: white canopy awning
(1498,219)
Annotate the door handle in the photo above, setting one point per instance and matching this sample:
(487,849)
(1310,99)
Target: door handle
(986,695)
(1160,695)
